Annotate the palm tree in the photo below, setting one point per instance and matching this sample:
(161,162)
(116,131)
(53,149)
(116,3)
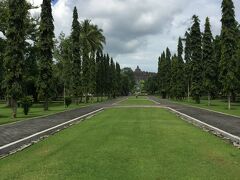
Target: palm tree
(92,40)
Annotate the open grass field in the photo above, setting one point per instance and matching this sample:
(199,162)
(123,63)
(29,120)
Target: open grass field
(127,143)
(142,100)
(36,111)
(216,105)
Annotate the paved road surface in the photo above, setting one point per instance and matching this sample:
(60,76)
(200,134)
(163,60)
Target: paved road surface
(13,132)
(226,123)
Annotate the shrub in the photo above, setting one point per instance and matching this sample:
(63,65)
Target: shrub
(26,103)
(68,101)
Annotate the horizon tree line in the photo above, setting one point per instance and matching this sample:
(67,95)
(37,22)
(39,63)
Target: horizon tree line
(35,63)
(210,65)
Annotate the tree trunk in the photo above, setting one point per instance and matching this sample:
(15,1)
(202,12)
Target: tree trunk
(229,101)
(209,99)
(188,92)
(14,108)
(46,105)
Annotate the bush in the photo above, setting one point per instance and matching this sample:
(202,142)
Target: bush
(26,103)
(68,101)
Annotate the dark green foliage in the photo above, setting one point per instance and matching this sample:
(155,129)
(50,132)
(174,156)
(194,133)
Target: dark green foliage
(188,62)
(76,56)
(63,54)
(151,85)
(228,64)
(3,16)
(118,79)
(217,56)
(125,85)
(164,73)
(131,80)
(68,101)
(46,44)
(26,103)
(197,68)
(173,90)
(180,83)
(209,62)
(14,56)
(91,40)
(112,76)
(99,75)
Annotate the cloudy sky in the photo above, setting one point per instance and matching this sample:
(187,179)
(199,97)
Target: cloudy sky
(137,31)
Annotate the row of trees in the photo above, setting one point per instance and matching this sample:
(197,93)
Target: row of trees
(34,63)
(210,65)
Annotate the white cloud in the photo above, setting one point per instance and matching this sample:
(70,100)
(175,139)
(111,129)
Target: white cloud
(138,31)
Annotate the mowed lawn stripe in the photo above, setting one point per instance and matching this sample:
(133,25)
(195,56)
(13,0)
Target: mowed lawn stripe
(137,101)
(127,144)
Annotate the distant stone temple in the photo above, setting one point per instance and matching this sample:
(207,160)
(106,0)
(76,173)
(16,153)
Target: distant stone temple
(142,75)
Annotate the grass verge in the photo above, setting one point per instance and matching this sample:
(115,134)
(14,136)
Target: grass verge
(216,105)
(138,143)
(142,100)
(36,111)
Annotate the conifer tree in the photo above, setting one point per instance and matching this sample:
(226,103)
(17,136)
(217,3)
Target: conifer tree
(173,88)
(98,75)
(188,70)
(161,75)
(209,62)
(108,80)
(180,83)
(112,77)
(14,57)
(92,75)
(228,64)
(118,79)
(46,45)
(168,72)
(196,48)
(76,57)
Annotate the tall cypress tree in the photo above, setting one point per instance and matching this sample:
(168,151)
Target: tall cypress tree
(196,47)
(92,74)
(46,44)
(76,57)
(98,75)
(161,74)
(112,76)
(14,57)
(209,62)
(174,69)
(118,79)
(168,71)
(228,64)
(187,67)
(180,83)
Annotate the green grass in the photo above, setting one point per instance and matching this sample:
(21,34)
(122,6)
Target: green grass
(35,111)
(142,100)
(129,144)
(216,105)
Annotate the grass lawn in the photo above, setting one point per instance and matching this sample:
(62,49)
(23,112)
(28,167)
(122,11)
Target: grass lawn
(127,143)
(216,105)
(35,111)
(142,100)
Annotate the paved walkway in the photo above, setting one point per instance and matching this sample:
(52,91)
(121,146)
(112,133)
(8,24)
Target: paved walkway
(22,131)
(226,123)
